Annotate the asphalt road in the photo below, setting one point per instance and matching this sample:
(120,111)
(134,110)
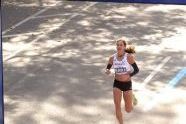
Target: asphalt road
(54,55)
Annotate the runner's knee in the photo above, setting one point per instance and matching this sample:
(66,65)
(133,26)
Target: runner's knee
(128,109)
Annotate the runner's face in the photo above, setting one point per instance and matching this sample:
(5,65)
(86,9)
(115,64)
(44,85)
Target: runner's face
(120,46)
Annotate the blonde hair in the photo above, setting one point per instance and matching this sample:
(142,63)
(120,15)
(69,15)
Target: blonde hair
(129,47)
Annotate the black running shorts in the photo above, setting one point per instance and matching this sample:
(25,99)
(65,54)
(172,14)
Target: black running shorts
(123,85)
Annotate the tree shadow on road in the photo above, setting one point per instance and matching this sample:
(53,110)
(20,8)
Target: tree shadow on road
(58,77)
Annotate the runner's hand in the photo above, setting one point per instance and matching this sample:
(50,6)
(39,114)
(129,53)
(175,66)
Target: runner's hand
(107,71)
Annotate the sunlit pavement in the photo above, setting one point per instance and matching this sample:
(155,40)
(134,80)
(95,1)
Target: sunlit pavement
(54,55)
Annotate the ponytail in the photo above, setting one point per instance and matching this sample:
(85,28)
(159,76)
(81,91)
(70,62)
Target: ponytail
(130,49)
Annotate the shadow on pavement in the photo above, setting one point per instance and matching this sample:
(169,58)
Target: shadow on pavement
(57,77)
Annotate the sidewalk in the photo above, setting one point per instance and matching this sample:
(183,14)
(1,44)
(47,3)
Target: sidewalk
(54,61)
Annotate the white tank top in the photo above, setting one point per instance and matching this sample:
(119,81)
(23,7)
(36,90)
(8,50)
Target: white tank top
(121,67)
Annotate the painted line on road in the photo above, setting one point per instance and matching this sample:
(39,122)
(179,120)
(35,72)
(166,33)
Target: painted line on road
(161,96)
(25,20)
(38,38)
(24,78)
(51,15)
(87,7)
(37,13)
(181,74)
(23,34)
(156,70)
(43,35)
